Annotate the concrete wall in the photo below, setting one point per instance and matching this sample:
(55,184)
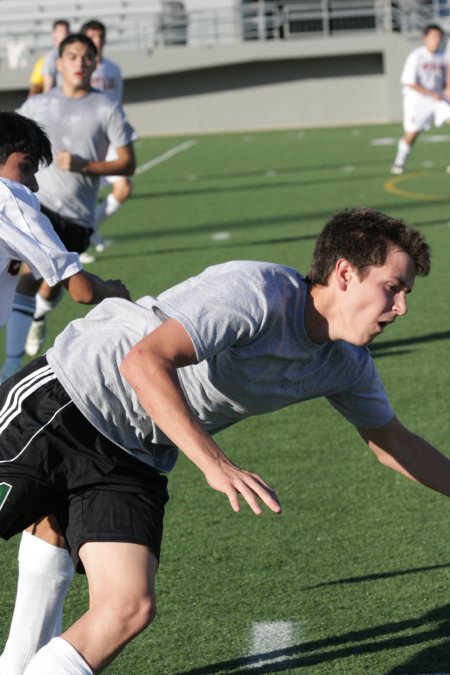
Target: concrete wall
(257,85)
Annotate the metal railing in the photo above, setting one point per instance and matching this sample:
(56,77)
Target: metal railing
(143,26)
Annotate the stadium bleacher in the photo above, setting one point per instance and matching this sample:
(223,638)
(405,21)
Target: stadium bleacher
(146,24)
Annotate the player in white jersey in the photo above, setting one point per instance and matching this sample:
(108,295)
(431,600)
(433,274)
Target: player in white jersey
(107,77)
(26,234)
(424,80)
(81,124)
(131,382)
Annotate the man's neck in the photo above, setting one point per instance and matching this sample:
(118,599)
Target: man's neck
(316,323)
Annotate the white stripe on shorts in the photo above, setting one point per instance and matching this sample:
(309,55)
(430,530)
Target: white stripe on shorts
(13,404)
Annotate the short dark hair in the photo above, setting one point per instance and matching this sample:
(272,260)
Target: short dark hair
(61,22)
(432,26)
(20,134)
(77,37)
(364,237)
(94,24)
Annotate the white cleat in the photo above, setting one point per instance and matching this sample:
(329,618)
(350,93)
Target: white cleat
(86,258)
(102,245)
(36,337)
(397,169)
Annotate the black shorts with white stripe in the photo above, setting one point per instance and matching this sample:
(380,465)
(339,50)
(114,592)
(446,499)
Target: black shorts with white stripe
(53,460)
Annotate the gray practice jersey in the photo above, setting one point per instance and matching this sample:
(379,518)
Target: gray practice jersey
(85,127)
(246,321)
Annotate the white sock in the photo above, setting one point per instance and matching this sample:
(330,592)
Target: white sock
(403,150)
(18,326)
(106,208)
(45,573)
(58,658)
(44,306)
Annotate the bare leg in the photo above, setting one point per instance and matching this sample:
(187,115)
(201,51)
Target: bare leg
(122,601)
(405,145)
(121,580)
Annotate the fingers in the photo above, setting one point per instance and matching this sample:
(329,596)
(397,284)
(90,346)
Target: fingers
(235,482)
(253,489)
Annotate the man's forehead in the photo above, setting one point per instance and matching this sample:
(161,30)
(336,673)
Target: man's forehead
(76,48)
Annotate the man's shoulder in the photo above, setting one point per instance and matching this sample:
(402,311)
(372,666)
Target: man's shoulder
(254,268)
(111,65)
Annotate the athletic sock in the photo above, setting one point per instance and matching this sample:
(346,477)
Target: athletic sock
(18,326)
(44,306)
(403,150)
(106,208)
(58,658)
(45,573)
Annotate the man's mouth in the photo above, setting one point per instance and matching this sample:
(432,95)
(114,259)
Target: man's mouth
(382,324)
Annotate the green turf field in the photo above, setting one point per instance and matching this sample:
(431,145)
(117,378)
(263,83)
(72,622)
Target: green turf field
(354,577)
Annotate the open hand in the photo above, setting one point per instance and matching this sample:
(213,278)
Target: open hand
(228,478)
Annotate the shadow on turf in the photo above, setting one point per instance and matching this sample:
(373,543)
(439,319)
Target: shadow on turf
(378,575)
(381,349)
(354,643)
(210,228)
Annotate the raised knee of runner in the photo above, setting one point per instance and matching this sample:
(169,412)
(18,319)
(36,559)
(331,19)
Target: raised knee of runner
(122,189)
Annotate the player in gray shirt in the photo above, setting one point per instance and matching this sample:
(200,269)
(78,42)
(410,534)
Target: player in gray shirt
(127,387)
(81,124)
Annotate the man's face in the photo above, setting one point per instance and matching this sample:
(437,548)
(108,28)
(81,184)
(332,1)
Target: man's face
(76,65)
(371,303)
(59,33)
(432,40)
(21,167)
(97,38)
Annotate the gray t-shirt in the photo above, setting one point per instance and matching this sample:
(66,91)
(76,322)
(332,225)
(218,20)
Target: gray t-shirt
(84,126)
(246,321)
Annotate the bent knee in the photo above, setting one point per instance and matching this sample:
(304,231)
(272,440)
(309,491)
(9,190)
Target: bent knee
(122,189)
(134,615)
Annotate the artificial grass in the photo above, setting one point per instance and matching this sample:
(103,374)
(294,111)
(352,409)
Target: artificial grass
(359,561)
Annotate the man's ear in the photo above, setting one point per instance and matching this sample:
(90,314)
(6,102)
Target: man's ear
(344,272)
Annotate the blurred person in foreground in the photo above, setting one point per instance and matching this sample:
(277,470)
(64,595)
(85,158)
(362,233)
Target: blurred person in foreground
(68,187)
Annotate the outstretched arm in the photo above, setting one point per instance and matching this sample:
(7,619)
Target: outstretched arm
(151,369)
(90,289)
(400,449)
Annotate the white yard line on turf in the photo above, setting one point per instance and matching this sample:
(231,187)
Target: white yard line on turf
(270,636)
(165,156)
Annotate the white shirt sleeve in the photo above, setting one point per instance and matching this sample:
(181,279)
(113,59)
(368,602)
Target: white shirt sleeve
(27,235)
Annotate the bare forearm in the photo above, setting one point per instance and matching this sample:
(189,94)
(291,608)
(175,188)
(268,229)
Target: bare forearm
(151,369)
(159,392)
(417,459)
(89,289)
(426,92)
(112,168)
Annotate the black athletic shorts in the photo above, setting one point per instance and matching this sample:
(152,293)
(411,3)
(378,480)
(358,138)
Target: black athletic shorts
(52,460)
(74,237)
